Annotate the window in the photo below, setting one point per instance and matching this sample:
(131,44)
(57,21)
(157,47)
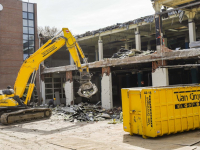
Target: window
(25,48)
(30,16)
(48,80)
(28,29)
(24,7)
(48,86)
(31,43)
(25,45)
(25,37)
(48,91)
(25,56)
(31,37)
(31,30)
(25,22)
(25,15)
(31,50)
(30,23)
(25,30)
(53,85)
(30,7)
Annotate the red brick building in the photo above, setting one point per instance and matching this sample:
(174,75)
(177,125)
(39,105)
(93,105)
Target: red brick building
(18,37)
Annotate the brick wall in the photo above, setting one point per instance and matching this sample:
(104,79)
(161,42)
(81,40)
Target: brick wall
(11,41)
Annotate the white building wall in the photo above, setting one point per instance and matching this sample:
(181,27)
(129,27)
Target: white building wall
(106,91)
(69,93)
(160,77)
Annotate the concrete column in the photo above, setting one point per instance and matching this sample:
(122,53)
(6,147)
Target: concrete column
(69,89)
(149,46)
(191,26)
(106,89)
(137,39)
(158,25)
(160,77)
(194,75)
(71,61)
(69,93)
(126,45)
(96,53)
(43,91)
(192,30)
(100,44)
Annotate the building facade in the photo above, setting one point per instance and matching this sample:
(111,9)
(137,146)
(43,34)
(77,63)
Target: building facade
(18,38)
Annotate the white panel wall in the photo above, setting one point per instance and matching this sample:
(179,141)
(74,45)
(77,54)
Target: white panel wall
(106,91)
(69,93)
(160,77)
(43,91)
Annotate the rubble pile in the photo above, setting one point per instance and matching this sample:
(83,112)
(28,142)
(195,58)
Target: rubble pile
(85,112)
(123,53)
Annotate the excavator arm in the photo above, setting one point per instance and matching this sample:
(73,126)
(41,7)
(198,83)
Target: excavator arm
(12,109)
(87,89)
(31,65)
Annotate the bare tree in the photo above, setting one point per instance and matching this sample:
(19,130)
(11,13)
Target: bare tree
(47,32)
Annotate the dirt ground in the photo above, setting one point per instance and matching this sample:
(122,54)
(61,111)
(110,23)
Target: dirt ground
(57,134)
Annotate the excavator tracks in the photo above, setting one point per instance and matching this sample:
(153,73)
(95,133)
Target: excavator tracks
(25,115)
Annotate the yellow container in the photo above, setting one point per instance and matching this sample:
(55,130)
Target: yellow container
(155,111)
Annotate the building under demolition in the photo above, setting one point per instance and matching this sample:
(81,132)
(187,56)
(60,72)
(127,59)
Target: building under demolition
(123,55)
(131,54)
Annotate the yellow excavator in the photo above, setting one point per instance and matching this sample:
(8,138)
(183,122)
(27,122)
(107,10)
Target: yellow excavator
(13,108)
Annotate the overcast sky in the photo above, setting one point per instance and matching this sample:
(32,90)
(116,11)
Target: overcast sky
(87,15)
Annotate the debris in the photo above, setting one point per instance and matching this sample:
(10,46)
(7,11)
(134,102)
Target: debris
(119,108)
(62,105)
(106,116)
(123,53)
(146,19)
(98,103)
(113,121)
(85,112)
(146,52)
(121,117)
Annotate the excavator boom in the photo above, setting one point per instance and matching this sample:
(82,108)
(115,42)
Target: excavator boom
(13,108)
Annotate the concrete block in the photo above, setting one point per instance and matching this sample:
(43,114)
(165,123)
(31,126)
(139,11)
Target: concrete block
(160,77)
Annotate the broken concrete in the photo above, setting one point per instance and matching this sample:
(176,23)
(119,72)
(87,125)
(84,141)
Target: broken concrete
(87,112)
(173,55)
(127,25)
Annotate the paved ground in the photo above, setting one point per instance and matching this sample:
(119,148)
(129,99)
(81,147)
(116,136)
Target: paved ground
(58,134)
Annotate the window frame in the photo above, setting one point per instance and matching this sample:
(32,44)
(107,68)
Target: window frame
(30,17)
